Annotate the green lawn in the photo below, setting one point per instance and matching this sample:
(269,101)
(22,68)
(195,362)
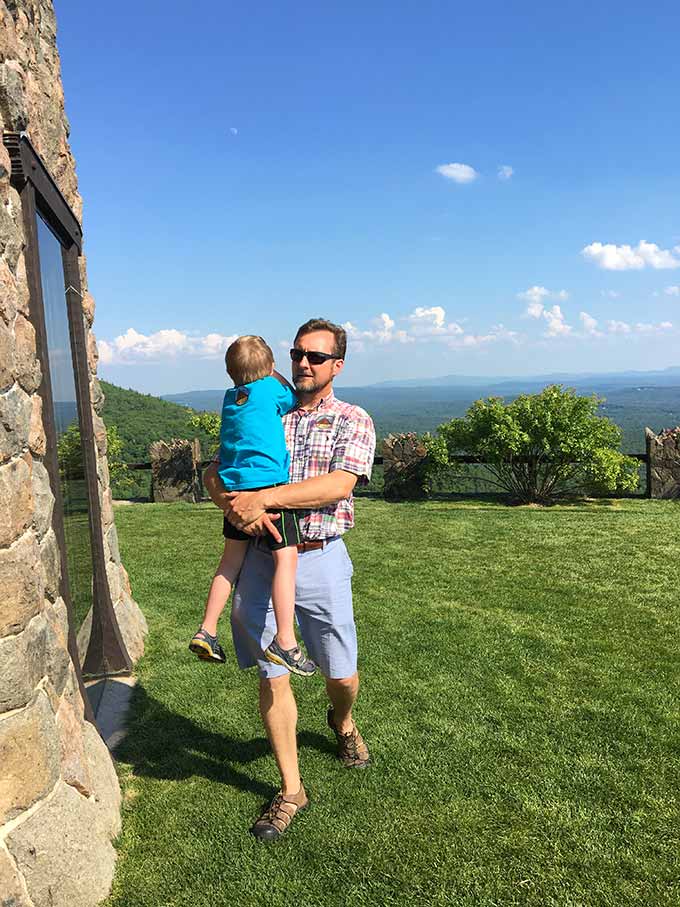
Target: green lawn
(520,675)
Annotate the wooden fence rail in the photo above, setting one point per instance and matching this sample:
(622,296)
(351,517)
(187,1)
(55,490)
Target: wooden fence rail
(458,458)
(377,460)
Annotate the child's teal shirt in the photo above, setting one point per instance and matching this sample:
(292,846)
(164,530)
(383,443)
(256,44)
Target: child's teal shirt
(253,450)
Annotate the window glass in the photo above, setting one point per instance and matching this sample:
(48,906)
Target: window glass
(69,446)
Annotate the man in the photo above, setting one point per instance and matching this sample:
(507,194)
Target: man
(331,446)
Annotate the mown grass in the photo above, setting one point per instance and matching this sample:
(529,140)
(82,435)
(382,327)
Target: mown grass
(519,693)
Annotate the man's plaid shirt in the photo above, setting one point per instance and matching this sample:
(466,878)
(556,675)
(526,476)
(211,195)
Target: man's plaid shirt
(334,435)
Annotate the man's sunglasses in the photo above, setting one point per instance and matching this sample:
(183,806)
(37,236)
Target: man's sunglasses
(314,357)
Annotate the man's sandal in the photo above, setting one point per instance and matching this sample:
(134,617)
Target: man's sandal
(352,750)
(276,817)
(207,647)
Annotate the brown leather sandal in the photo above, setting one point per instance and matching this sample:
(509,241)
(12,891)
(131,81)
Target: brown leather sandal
(276,817)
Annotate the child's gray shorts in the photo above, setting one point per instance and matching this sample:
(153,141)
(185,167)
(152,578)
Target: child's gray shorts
(323,607)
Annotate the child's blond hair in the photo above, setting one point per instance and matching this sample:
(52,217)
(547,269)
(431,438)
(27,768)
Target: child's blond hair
(248,359)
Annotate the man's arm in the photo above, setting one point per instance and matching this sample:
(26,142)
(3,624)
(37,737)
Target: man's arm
(222,499)
(243,507)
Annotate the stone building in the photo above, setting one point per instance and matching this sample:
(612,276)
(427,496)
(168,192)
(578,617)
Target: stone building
(62,584)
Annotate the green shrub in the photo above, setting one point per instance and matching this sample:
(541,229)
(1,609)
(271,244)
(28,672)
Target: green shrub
(541,447)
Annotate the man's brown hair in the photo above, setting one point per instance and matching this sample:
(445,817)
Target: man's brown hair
(321,324)
(249,359)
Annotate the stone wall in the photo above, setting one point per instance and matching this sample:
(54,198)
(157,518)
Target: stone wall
(59,794)
(663,451)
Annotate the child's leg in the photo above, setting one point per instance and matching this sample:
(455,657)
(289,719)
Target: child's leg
(223,581)
(283,595)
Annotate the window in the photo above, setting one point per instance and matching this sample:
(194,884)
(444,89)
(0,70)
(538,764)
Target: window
(70,459)
(53,245)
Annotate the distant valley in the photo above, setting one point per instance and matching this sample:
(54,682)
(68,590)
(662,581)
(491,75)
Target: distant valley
(633,400)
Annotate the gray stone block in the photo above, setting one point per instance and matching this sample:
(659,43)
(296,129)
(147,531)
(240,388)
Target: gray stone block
(63,852)
(29,755)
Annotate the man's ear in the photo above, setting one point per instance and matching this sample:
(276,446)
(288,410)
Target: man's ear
(338,365)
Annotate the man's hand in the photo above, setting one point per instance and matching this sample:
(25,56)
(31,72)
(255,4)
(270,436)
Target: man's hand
(243,507)
(262,525)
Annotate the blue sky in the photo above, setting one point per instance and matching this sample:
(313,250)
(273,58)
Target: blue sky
(247,166)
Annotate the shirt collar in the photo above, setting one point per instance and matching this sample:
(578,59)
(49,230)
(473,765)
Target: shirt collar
(323,403)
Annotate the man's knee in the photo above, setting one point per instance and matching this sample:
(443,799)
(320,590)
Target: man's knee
(343,683)
(271,687)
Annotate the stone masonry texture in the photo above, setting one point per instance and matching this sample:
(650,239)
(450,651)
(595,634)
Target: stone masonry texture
(664,463)
(59,793)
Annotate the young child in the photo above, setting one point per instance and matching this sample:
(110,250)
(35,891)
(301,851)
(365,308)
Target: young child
(253,455)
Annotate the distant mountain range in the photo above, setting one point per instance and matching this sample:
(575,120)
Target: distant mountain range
(464,386)
(662,378)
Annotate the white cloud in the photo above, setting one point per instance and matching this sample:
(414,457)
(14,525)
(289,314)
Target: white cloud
(535,309)
(383,332)
(610,294)
(431,322)
(536,296)
(497,333)
(623,327)
(505,172)
(611,257)
(557,327)
(644,328)
(618,327)
(132,346)
(672,291)
(459,173)
(589,325)
(105,351)
(435,315)
(424,324)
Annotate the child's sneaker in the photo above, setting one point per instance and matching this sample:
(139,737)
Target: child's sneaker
(293,659)
(207,647)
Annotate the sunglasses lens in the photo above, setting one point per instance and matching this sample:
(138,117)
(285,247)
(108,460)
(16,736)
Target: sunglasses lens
(313,357)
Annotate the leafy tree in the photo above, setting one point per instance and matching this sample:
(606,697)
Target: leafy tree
(541,447)
(142,419)
(207,424)
(70,457)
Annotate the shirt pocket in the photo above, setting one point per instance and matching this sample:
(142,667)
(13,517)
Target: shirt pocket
(320,446)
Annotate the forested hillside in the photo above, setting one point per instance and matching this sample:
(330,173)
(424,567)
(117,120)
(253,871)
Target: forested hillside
(140,420)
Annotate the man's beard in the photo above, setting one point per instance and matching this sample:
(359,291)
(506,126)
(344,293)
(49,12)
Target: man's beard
(306,384)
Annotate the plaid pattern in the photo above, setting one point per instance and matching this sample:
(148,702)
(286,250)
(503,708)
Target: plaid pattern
(334,435)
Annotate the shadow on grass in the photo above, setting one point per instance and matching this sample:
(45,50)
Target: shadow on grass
(162,744)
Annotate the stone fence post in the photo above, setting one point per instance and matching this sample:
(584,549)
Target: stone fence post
(402,455)
(663,463)
(176,471)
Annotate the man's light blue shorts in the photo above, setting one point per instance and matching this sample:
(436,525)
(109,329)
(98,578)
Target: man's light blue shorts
(323,607)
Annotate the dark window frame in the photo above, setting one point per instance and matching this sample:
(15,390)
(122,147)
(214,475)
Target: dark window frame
(106,652)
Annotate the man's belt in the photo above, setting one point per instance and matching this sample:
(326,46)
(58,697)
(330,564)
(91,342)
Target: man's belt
(312,546)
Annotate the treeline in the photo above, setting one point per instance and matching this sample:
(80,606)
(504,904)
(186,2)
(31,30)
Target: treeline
(141,419)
